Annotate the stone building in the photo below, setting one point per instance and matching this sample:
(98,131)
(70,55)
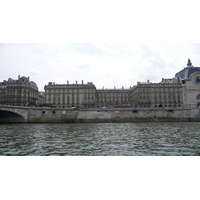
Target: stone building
(70,95)
(167,93)
(181,91)
(187,71)
(3,92)
(110,97)
(20,92)
(41,99)
(190,77)
(84,96)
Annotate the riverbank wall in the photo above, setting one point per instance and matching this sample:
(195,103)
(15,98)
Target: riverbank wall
(115,115)
(70,115)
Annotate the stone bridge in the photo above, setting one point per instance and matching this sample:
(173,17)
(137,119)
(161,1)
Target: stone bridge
(13,113)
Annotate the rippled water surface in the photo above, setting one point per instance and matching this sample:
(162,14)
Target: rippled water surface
(101,139)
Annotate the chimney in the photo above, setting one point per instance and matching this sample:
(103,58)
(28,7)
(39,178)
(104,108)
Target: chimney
(76,82)
(67,82)
(82,81)
(18,77)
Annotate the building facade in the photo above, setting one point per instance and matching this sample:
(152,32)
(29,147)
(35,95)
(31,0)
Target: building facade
(181,91)
(191,90)
(111,97)
(187,71)
(20,92)
(84,96)
(70,95)
(41,98)
(167,93)
(190,79)
(3,92)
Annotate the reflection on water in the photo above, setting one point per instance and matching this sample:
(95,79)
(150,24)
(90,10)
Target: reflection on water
(101,139)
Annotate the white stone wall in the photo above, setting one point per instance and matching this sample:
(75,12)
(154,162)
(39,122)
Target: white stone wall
(191,91)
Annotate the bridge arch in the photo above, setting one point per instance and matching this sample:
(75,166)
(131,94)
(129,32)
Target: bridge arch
(9,116)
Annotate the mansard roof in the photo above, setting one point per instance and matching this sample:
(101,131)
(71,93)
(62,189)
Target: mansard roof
(22,79)
(186,72)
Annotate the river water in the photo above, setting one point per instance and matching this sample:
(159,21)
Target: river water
(100,139)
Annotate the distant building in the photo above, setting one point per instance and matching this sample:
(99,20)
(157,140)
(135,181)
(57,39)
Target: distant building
(190,79)
(19,92)
(181,91)
(41,99)
(111,97)
(84,96)
(186,72)
(3,92)
(167,93)
(70,95)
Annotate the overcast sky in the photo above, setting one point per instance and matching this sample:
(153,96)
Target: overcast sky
(108,43)
(103,64)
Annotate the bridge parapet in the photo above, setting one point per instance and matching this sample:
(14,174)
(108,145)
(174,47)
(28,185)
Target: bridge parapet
(19,110)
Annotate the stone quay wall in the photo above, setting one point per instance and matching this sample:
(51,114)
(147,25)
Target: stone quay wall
(46,114)
(114,115)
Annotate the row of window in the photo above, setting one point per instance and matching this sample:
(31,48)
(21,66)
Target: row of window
(169,101)
(65,103)
(53,99)
(70,91)
(63,96)
(155,97)
(113,99)
(148,94)
(110,94)
(159,89)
